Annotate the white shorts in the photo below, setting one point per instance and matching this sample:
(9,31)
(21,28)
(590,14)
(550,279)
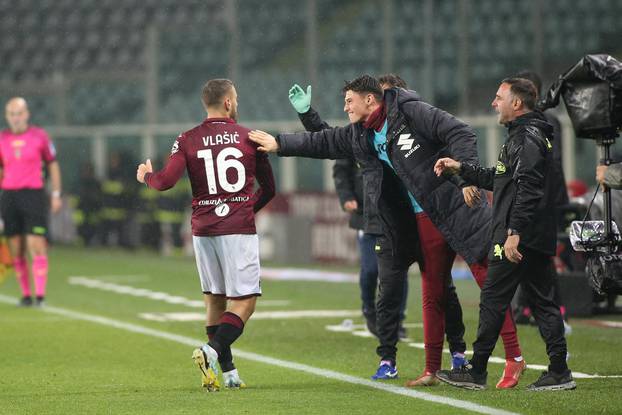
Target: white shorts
(228,265)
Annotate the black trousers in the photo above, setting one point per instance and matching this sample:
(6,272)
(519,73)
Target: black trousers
(534,274)
(391,276)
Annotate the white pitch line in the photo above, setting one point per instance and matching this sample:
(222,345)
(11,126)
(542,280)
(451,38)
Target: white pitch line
(153,295)
(493,359)
(328,374)
(296,274)
(348,327)
(257,315)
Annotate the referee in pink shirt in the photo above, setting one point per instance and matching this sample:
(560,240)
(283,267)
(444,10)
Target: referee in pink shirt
(23,206)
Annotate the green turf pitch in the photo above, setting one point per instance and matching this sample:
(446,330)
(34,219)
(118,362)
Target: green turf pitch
(54,364)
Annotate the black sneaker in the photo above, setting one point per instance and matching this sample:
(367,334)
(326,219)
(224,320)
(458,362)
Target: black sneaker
(40,302)
(463,377)
(551,381)
(25,302)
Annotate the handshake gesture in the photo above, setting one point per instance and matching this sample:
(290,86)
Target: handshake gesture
(446,165)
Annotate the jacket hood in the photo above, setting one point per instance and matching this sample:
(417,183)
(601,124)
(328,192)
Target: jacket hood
(535,119)
(394,98)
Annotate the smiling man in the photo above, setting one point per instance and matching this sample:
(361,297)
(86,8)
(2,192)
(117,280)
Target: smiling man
(396,138)
(523,236)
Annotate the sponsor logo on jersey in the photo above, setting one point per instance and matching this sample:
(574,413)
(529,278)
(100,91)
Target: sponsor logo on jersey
(405,142)
(412,150)
(234,199)
(175,148)
(222,210)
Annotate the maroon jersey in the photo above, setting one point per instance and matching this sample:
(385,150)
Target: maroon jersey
(222,165)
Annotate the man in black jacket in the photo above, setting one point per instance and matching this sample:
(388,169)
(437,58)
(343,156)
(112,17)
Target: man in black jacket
(348,178)
(523,236)
(522,313)
(347,174)
(397,138)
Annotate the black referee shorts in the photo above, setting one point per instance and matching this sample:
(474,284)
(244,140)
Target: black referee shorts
(24,212)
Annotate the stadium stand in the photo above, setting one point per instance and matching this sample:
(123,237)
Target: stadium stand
(42,39)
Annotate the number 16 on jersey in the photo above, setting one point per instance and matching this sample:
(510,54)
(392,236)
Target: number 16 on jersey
(223,164)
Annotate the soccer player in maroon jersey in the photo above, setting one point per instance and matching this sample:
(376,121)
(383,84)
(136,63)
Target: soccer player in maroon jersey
(222,165)
(24,148)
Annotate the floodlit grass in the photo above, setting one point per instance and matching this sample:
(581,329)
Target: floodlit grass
(54,364)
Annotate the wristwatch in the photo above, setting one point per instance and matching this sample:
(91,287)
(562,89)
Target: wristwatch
(512,232)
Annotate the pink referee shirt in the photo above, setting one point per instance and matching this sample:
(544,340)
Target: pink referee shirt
(22,156)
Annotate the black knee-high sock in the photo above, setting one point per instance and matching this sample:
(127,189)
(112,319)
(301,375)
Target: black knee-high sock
(225,358)
(230,328)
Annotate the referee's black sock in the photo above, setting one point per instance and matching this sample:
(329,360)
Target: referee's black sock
(225,358)
(230,328)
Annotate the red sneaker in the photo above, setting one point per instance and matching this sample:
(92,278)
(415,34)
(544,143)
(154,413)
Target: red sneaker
(511,374)
(426,379)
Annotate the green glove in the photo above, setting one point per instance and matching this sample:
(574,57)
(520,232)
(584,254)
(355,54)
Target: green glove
(300,100)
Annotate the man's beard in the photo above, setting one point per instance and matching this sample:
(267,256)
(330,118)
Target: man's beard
(234,114)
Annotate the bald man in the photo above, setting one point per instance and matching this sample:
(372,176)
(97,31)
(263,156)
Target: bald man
(24,206)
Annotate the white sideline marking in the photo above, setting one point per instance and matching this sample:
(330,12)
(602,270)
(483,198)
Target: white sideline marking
(601,323)
(493,359)
(257,315)
(297,274)
(153,295)
(329,374)
(360,330)
(126,278)
(346,326)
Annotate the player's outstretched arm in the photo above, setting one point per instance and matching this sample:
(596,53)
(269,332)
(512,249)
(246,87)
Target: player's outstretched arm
(266,142)
(165,178)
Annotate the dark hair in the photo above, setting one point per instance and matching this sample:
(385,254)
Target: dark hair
(393,80)
(533,77)
(523,89)
(214,91)
(365,84)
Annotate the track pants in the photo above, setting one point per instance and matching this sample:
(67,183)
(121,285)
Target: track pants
(534,273)
(441,308)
